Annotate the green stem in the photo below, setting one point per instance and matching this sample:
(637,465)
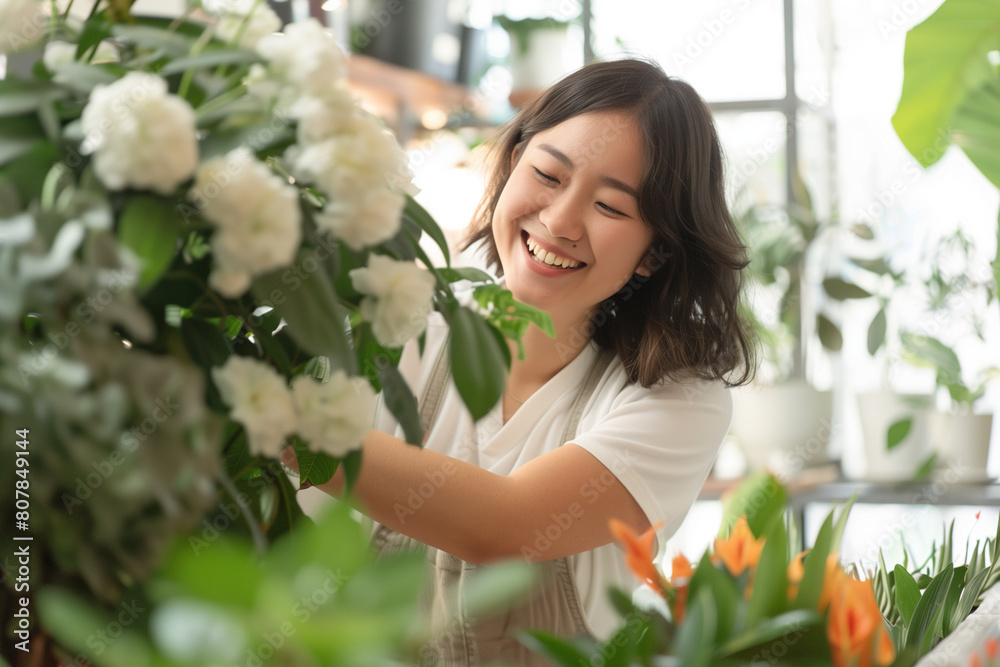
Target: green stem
(221,100)
(203,40)
(93,10)
(177,22)
(259,541)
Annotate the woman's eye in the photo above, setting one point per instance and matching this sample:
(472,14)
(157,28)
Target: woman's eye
(609,209)
(544,176)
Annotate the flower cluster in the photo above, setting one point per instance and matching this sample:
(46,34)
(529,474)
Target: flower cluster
(331,416)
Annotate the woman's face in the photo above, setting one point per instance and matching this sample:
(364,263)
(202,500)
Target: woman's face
(567,225)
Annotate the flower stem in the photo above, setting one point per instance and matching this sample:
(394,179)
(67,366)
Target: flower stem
(259,541)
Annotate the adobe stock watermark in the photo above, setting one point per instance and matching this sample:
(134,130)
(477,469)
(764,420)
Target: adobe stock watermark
(590,492)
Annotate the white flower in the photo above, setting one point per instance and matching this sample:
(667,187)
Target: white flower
(305,56)
(363,157)
(59,53)
(363,220)
(259,19)
(320,118)
(333,416)
(398,301)
(140,135)
(260,400)
(258,216)
(21,24)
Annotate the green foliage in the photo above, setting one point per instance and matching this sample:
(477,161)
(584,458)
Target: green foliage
(950,86)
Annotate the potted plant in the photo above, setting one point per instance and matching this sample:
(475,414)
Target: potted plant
(540,53)
(782,422)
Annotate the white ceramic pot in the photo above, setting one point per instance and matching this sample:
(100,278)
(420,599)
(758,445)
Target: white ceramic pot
(783,427)
(879,411)
(547,59)
(962,443)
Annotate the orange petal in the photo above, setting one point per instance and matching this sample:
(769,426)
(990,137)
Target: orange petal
(681,567)
(639,552)
(992,647)
(741,549)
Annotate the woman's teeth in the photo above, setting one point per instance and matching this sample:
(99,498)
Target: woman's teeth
(549,258)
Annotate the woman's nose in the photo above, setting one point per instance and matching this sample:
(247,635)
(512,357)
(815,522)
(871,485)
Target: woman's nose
(562,216)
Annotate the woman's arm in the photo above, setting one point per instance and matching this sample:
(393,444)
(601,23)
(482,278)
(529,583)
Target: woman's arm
(556,505)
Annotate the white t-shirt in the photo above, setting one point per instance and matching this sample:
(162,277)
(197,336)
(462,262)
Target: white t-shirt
(659,442)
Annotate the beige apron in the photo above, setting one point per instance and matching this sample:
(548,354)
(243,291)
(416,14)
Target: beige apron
(553,604)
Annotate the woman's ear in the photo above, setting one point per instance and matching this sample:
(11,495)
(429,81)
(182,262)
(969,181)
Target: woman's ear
(644,268)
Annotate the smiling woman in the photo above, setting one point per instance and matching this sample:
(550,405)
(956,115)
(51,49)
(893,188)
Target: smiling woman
(606,210)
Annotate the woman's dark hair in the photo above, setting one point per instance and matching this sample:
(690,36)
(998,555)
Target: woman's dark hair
(685,317)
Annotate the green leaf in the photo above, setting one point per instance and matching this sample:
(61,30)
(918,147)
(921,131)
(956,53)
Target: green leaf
(205,342)
(18,97)
(74,622)
(695,641)
(352,468)
(314,467)
(469,273)
(150,227)
(173,43)
(931,353)
(419,216)
(829,334)
(877,265)
(876,331)
(945,57)
(210,59)
(951,600)
(770,587)
(83,77)
(214,568)
(761,498)
(973,589)
(838,527)
(723,590)
(258,137)
(814,567)
(907,594)
(841,289)
(898,432)
(926,468)
(929,604)
(477,363)
(782,625)
(316,320)
(402,404)
(976,128)
(561,651)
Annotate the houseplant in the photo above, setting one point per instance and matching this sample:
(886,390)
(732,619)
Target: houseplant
(208,251)
(782,422)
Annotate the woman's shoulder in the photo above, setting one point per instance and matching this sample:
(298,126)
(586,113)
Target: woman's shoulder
(686,389)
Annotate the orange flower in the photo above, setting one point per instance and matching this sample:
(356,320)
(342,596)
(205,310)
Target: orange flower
(639,553)
(832,577)
(796,570)
(855,628)
(740,550)
(992,647)
(679,578)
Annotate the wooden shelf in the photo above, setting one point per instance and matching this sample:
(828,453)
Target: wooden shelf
(400,95)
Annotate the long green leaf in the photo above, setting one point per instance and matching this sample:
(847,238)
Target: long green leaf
(907,594)
(723,589)
(930,602)
(419,215)
(695,641)
(211,59)
(477,362)
(561,651)
(897,432)
(770,586)
(771,629)
(814,567)
(402,403)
